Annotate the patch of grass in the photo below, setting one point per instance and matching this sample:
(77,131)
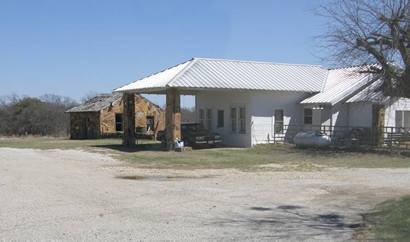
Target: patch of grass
(390,221)
(46,143)
(275,157)
(284,156)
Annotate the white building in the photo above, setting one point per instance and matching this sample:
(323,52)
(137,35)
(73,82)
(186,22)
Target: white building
(247,101)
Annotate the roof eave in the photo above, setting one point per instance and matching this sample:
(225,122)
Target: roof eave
(82,111)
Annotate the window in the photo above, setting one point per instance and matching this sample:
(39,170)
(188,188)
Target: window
(118,122)
(308,116)
(150,123)
(242,120)
(221,122)
(403,119)
(279,121)
(233,120)
(202,117)
(209,119)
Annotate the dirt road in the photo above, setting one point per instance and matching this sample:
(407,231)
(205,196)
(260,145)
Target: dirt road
(75,195)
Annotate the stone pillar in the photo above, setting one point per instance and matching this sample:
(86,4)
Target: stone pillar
(172,117)
(128,118)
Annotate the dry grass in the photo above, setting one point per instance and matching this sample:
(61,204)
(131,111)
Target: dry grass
(275,157)
(390,221)
(31,142)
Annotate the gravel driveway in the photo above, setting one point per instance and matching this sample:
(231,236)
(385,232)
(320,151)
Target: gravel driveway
(75,195)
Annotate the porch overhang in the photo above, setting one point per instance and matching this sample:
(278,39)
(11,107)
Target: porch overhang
(172,114)
(200,74)
(160,90)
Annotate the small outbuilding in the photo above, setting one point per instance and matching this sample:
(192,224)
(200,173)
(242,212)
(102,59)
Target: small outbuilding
(102,116)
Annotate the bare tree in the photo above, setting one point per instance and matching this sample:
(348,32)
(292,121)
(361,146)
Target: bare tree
(365,32)
(88,96)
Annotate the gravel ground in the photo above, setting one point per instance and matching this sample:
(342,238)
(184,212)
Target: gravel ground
(74,195)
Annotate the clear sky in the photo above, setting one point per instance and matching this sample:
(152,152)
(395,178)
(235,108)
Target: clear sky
(77,47)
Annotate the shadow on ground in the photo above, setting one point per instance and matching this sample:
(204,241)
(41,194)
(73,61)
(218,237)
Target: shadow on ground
(162,178)
(150,147)
(291,221)
(136,148)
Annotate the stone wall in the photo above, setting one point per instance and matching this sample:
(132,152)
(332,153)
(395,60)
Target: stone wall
(143,108)
(90,125)
(85,125)
(108,118)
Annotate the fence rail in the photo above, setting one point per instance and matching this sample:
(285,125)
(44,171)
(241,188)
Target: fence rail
(348,136)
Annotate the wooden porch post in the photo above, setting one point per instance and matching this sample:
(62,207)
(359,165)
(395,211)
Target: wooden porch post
(128,117)
(172,117)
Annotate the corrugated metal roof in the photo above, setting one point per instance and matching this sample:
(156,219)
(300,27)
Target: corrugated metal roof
(341,84)
(201,73)
(157,81)
(370,94)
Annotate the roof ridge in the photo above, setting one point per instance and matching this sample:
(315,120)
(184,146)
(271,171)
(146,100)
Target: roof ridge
(325,81)
(104,95)
(155,73)
(359,89)
(256,62)
(352,66)
(181,72)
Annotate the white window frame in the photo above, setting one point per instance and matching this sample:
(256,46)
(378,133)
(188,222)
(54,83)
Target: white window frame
(279,123)
(202,117)
(209,118)
(404,115)
(234,119)
(220,118)
(309,116)
(242,120)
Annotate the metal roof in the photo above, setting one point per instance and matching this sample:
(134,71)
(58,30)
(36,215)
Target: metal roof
(341,84)
(155,82)
(201,73)
(370,94)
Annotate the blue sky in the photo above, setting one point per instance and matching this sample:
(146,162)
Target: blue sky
(77,47)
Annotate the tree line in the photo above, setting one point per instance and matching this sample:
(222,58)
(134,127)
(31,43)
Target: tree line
(43,116)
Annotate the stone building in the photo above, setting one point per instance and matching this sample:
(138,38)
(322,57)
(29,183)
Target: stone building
(102,116)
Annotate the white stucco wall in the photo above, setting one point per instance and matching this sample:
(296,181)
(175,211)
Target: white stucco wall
(340,115)
(260,107)
(402,104)
(224,100)
(326,116)
(263,106)
(360,114)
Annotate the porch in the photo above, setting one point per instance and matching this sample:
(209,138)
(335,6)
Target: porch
(389,137)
